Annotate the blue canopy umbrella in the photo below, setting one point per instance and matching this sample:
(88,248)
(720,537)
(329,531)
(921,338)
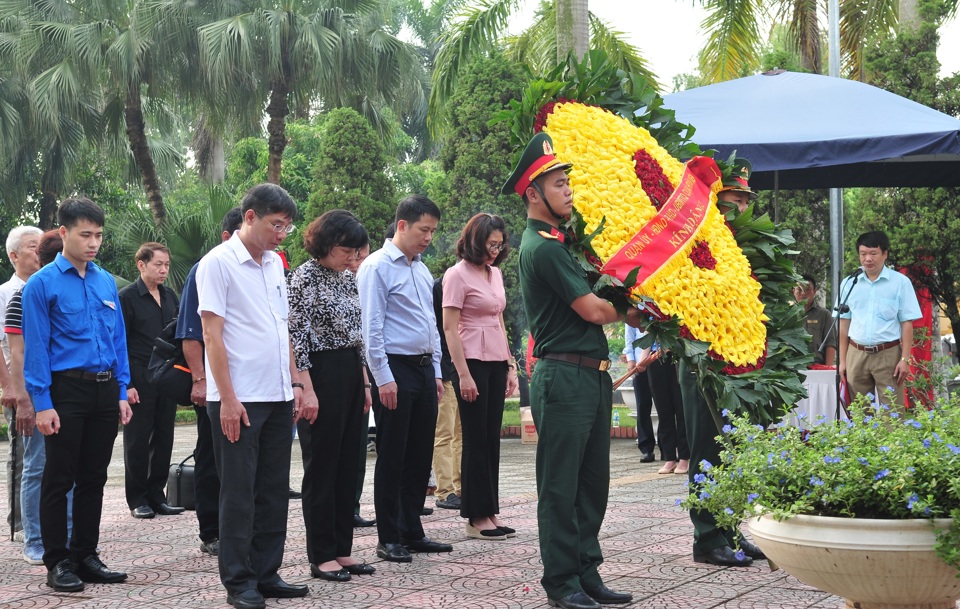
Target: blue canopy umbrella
(812,131)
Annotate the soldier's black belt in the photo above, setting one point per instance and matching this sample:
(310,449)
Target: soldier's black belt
(875,348)
(100,377)
(579,360)
(416,360)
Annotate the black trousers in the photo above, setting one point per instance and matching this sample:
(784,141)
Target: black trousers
(206,490)
(330,453)
(147,443)
(364,438)
(646,440)
(662,376)
(14,472)
(480,422)
(405,452)
(255,495)
(77,457)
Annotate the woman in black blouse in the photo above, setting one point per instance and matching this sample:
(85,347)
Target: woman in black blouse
(325,330)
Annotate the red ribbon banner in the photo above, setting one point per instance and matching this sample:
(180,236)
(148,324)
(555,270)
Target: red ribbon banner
(672,228)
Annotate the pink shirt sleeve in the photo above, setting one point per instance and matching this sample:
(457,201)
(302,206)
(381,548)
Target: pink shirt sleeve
(480,302)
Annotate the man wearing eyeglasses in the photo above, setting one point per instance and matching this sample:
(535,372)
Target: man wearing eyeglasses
(253,394)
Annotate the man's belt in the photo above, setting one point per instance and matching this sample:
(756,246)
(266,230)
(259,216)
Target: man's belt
(417,360)
(579,360)
(100,377)
(874,348)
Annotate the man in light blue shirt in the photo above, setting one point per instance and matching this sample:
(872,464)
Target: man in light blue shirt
(646,440)
(403,352)
(876,332)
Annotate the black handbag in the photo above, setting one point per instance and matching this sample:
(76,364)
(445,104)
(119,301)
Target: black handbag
(167,369)
(180,485)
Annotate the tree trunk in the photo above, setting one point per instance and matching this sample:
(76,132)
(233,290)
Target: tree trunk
(909,15)
(49,201)
(573,28)
(277,110)
(137,136)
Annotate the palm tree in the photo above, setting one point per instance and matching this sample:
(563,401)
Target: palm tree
(103,57)
(310,53)
(479,29)
(733,45)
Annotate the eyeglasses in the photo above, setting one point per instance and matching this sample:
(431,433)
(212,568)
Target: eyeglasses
(280,228)
(496,248)
(352,252)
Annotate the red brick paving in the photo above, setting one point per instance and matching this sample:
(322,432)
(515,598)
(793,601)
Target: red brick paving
(646,543)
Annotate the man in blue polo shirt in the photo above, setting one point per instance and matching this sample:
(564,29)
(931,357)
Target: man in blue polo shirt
(876,333)
(76,371)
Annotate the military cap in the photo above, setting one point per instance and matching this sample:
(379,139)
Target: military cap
(739,178)
(536,160)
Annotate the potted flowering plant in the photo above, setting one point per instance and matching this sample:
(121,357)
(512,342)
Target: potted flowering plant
(866,509)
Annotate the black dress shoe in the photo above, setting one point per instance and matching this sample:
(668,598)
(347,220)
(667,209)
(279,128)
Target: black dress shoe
(577,600)
(143,511)
(509,532)
(295,494)
(360,522)
(340,575)
(647,457)
(426,545)
(165,509)
(394,552)
(63,577)
(91,569)
(452,502)
(211,547)
(248,599)
(724,556)
(751,550)
(282,589)
(425,511)
(361,569)
(606,596)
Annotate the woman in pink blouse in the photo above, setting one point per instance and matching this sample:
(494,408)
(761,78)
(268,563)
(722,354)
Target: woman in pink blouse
(473,303)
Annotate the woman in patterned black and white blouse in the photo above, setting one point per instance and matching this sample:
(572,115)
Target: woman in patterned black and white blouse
(325,330)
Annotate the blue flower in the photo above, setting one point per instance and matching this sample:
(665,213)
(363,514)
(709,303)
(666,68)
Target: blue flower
(725,412)
(751,497)
(913,423)
(727,429)
(814,481)
(912,501)
(801,415)
(840,449)
(868,418)
(704,495)
(829,459)
(705,466)
(911,469)
(936,437)
(677,502)
(699,478)
(728,511)
(882,474)
(953,449)
(769,458)
(850,424)
(885,449)
(926,443)
(740,555)
(863,461)
(871,397)
(894,415)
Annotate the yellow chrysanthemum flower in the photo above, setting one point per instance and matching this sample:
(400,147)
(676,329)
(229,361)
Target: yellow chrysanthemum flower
(721,305)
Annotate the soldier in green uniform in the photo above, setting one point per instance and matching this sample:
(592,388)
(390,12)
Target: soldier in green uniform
(571,391)
(712,544)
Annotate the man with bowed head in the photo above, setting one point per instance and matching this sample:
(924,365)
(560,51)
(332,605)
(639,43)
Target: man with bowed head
(403,352)
(254,392)
(76,371)
(571,391)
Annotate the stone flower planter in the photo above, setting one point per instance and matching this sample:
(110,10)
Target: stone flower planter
(873,564)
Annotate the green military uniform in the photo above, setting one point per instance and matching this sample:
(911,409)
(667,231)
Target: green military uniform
(817,324)
(571,408)
(701,436)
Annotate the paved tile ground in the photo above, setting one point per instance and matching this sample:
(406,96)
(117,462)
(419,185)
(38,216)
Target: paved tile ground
(645,538)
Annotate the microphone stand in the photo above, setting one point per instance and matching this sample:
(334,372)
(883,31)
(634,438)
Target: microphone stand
(841,308)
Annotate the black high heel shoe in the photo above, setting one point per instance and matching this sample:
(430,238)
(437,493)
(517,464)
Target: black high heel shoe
(491,534)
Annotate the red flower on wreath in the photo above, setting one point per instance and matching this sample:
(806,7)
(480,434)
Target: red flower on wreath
(702,257)
(654,182)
